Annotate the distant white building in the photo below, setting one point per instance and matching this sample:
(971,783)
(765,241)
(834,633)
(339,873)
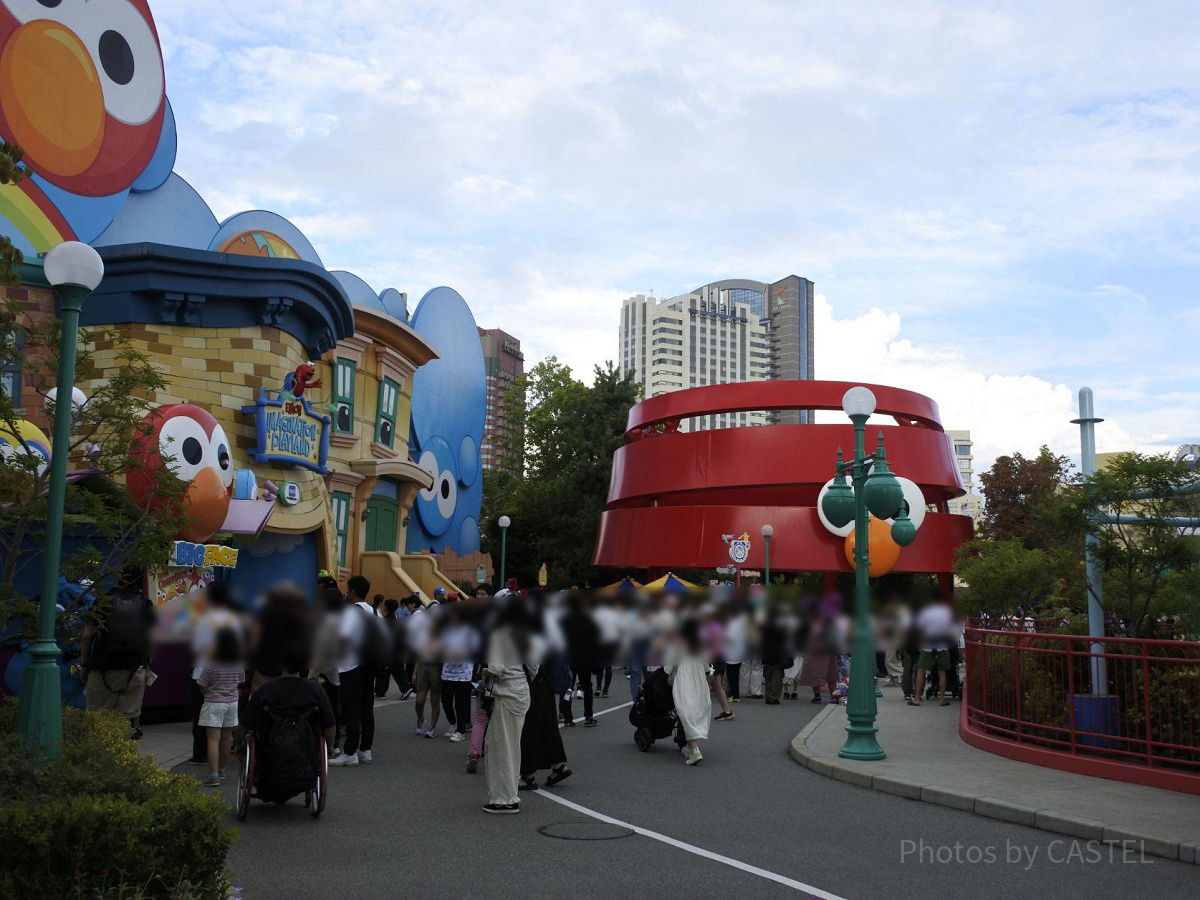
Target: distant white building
(727,331)
(971,503)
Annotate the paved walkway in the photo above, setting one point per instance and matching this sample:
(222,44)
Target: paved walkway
(644,824)
(169,744)
(928,761)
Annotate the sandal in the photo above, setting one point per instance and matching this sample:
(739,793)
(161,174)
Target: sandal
(944,703)
(527,784)
(558,775)
(914,702)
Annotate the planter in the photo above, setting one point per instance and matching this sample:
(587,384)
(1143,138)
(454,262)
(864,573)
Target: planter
(1099,715)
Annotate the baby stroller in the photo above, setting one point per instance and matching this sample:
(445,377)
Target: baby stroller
(653,713)
(954,682)
(289,759)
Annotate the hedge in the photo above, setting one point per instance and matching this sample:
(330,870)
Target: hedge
(104,820)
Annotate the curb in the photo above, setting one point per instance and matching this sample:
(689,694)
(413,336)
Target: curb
(989,807)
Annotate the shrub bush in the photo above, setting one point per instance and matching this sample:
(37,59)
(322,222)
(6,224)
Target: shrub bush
(104,820)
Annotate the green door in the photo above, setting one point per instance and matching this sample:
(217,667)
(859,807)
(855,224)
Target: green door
(383,514)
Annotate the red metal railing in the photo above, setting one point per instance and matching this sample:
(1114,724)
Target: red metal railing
(1034,690)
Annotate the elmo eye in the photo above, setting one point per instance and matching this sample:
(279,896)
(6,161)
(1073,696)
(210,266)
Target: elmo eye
(116,57)
(181,443)
(192,451)
(216,455)
(122,45)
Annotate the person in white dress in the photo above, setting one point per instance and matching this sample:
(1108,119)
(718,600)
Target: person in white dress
(687,671)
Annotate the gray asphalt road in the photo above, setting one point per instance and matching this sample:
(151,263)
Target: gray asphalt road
(410,826)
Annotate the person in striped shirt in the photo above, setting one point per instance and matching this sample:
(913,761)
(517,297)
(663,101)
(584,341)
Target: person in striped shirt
(218,681)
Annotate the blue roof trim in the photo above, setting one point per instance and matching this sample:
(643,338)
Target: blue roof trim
(159,284)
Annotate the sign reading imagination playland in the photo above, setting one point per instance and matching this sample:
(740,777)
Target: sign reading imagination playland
(288,430)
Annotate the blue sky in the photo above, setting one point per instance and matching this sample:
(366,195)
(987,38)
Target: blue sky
(997,201)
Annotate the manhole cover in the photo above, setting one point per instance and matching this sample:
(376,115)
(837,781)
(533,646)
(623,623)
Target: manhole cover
(585,831)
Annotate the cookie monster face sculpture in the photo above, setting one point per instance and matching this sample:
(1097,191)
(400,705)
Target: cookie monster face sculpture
(82,92)
(448,407)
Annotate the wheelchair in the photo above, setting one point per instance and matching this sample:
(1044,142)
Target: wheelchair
(255,782)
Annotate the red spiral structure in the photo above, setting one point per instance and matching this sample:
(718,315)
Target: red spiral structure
(674,494)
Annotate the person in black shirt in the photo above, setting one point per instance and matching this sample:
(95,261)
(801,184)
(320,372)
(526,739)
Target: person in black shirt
(289,694)
(583,647)
(115,660)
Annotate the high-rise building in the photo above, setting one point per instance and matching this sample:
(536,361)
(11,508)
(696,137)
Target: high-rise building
(731,330)
(970,504)
(789,312)
(503,363)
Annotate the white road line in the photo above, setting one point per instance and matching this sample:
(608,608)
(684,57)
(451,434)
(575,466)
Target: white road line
(808,889)
(601,713)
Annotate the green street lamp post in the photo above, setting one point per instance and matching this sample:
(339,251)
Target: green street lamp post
(74,270)
(505,521)
(874,490)
(767,531)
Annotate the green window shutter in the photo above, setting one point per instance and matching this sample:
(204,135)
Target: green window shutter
(385,423)
(343,396)
(341,520)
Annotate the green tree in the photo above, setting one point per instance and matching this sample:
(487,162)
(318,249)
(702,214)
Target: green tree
(567,433)
(11,172)
(1029,550)
(1149,564)
(106,532)
(1026,500)
(999,576)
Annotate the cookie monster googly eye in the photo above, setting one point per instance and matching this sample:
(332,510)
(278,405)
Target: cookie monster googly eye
(436,505)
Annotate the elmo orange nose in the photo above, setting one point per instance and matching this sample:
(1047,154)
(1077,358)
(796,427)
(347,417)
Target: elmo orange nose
(52,98)
(205,508)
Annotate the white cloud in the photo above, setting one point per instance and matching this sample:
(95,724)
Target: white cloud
(1000,201)
(1003,412)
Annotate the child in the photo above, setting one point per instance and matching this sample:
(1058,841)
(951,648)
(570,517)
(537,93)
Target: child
(218,681)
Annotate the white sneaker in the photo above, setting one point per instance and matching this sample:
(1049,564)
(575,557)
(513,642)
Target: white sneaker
(450,732)
(364,756)
(343,759)
(457,736)
(694,757)
(578,694)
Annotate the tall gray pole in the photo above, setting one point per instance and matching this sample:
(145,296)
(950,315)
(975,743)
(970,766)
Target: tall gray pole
(1095,580)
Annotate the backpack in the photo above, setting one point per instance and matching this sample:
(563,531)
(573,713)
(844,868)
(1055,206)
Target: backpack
(124,644)
(376,650)
(291,755)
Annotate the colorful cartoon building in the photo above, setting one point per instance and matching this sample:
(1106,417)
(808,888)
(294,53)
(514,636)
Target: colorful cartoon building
(341,433)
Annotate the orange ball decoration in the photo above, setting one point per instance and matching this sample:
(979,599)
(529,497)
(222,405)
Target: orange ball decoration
(883,550)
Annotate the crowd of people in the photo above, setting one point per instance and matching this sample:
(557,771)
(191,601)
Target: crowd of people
(502,672)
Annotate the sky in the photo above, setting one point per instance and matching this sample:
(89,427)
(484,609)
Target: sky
(997,202)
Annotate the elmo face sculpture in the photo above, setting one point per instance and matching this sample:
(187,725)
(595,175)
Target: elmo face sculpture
(188,442)
(81,89)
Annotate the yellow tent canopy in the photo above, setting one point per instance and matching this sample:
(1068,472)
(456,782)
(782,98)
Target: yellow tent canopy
(624,586)
(673,583)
